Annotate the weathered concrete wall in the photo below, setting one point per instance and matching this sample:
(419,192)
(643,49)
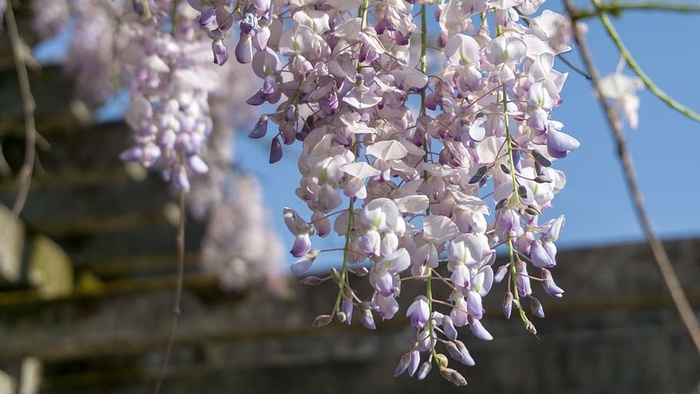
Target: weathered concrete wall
(615,331)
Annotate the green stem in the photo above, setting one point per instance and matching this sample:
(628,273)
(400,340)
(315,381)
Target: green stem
(514,286)
(429,296)
(615,8)
(638,71)
(362,13)
(346,251)
(423,65)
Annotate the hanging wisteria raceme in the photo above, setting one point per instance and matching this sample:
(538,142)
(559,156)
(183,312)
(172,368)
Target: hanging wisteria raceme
(180,112)
(240,258)
(169,109)
(428,190)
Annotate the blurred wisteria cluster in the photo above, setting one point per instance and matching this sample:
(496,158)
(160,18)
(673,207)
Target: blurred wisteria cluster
(183,110)
(426,156)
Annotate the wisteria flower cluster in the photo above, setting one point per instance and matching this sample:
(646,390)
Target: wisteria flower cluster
(169,109)
(438,169)
(424,171)
(180,114)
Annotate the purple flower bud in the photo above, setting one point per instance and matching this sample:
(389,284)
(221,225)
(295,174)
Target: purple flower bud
(536,307)
(459,353)
(275,151)
(454,377)
(550,287)
(414,363)
(501,273)
(507,304)
(133,154)
(207,20)
(244,49)
(367,320)
(311,281)
(197,165)
(522,280)
(260,128)
(322,320)
(479,330)
(403,364)
(180,179)
(424,370)
(220,52)
(346,306)
(362,271)
(258,98)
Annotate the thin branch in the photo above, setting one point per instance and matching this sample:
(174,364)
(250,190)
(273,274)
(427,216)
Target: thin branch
(574,67)
(615,8)
(178,290)
(660,256)
(638,70)
(28,105)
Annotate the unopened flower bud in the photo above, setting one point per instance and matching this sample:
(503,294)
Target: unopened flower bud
(441,360)
(453,376)
(260,128)
(275,151)
(362,271)
(311,281)
(322,320)
(367,320)
(244,49)
(335,275)
(507,304)
(342,317)
(501,273)
(536,307)
(403,364)
(424,370)
(220,52)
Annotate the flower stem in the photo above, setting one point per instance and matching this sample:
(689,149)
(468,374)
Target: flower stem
(346,251)
(615,8)
(610,29)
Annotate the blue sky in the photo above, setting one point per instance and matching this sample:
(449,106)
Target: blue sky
(595,200)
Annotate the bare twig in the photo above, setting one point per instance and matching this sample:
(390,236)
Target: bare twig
(28,105)
(660,256)
(178,290)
